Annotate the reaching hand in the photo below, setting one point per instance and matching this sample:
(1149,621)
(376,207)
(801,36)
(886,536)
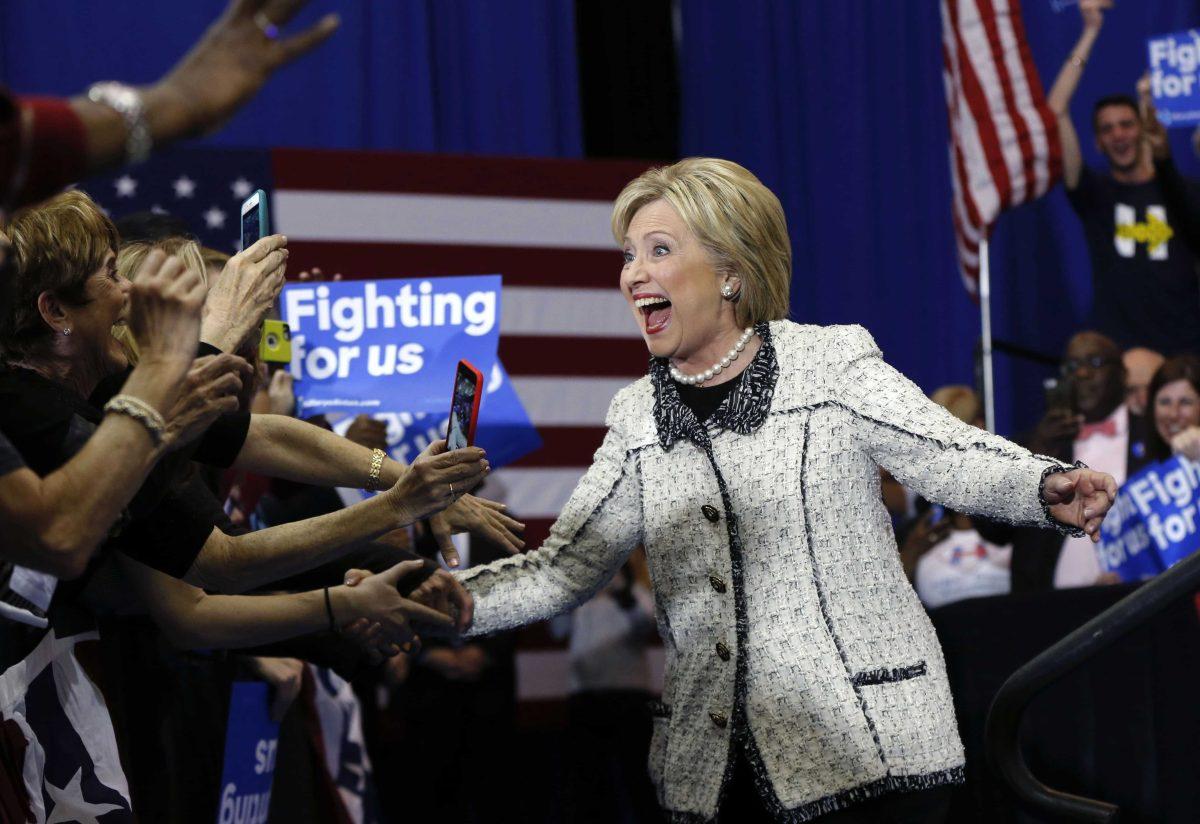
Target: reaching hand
(1153,131)
(1055,428)
(165,300)
(1080,498)
(232,60)
(243,293)
(369,432)
(387,613)
(482,518)
(436,479)
(209,391)
(285,677)
(1187,443)
(281,394)
(1092,12)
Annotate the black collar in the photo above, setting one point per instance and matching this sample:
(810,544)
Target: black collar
(743,411)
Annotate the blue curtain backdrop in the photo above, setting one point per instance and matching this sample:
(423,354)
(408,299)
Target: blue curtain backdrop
(466,76)
(839,107)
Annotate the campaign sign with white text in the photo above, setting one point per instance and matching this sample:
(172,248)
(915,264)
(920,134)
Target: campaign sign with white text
(1153,522)
(1175,77)
(387,345)
(251,741)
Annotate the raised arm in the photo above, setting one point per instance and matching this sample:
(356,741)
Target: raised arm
(192,619)
(598,528)
(283,447)
(239,563)
(955,464)
(53,524)
(1059,99)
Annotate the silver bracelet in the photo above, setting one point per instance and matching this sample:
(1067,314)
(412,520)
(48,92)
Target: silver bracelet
(140,411)
(127,102)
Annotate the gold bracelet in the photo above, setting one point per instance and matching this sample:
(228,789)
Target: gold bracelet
(377,456)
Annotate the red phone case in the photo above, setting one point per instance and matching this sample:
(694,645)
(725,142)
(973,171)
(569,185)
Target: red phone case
(467,366)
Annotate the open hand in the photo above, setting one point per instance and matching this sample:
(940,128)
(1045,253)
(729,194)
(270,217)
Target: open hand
(1080,498)
(436,479)
(234,58)
(209,391)
(243,293)
(482,518)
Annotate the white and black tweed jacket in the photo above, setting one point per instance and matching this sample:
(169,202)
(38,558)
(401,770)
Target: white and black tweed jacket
(790,629)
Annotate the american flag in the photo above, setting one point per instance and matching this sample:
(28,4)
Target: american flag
(57,738)
(567,338)
(1004,147)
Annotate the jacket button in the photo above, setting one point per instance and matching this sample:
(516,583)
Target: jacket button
(717,583)
(722,651)
(711,513)
(719,719)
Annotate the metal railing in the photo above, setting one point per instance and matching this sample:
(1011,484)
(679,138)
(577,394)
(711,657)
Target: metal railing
(1003,731)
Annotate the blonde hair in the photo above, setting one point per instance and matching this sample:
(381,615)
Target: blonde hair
(129,260)
(734,216)
(57,245)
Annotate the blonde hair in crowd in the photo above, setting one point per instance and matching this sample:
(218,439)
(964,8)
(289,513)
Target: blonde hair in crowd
(960,400)
(132,255)
(737,219)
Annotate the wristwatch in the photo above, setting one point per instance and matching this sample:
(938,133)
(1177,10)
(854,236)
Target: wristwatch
(127,102)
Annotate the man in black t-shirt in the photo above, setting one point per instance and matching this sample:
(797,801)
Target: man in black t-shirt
(1140,217)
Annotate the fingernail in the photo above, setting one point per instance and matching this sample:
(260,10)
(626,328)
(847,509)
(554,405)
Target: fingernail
(1087,513)
(452,563)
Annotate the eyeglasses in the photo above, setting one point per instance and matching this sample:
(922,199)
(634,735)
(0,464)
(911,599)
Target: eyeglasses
(1070,367)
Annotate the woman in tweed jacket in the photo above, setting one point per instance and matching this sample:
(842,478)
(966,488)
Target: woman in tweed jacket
(803,677)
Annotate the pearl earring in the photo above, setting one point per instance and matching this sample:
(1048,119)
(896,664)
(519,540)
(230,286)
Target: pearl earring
(726,291)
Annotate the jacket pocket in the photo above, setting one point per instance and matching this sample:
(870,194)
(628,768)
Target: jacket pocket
(884,675)
(660,717)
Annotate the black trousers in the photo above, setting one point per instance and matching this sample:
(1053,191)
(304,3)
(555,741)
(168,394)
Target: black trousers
(742,805)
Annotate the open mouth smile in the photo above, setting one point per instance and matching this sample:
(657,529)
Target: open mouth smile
(656,312)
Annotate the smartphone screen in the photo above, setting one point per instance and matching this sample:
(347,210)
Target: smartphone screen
(1058,393)
(252,227)
(464,406)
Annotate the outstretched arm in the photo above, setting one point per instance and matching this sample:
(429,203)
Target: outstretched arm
(953,463)
(598,528)
(1065,84)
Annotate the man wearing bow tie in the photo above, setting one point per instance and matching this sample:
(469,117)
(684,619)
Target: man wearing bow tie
(1099,430)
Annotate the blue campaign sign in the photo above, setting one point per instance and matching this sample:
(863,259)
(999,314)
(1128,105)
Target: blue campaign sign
(1153,523)
(504,432)
(251,741)
(1175,77)
(388,345)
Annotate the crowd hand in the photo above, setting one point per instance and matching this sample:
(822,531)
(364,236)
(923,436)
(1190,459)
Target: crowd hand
(1187,443)
(285,676)
(441,591)
(369,432)
(1092,12)
(244,293)
(482,518)
(1080,498)
(235,57)
(435,480)
(1153,131)
(462,664)
(1057,426)
(281,393)
(165,301)
(209,391)
(388,614)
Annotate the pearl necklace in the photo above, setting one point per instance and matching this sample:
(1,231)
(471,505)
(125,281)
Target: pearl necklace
(716,368)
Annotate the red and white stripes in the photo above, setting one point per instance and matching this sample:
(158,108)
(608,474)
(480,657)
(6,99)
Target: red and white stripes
(1004,147)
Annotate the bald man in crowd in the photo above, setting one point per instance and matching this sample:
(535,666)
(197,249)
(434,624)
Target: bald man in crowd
(1140,366)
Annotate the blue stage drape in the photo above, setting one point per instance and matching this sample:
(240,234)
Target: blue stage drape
(839,107)
(465,76)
